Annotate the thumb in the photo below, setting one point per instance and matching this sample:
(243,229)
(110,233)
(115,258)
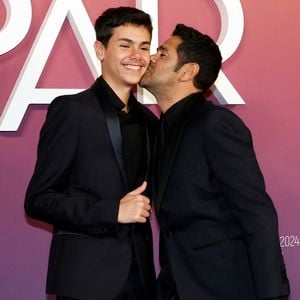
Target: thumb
(139,190)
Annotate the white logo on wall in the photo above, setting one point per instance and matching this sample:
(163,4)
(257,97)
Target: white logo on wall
(18,20)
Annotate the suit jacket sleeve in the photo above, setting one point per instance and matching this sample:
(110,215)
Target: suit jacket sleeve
(230,153)
(47,198)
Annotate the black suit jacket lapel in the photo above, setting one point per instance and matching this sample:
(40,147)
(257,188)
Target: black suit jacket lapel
(113,126)
(167,165)
(172,147)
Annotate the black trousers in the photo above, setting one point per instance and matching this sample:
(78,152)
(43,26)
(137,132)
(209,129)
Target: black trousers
(132,290)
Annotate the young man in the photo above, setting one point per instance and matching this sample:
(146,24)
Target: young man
(219,236)
(89,179)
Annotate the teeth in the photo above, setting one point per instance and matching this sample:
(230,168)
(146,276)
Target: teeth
(133,67)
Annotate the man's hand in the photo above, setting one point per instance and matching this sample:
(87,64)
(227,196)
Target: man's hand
(134,207)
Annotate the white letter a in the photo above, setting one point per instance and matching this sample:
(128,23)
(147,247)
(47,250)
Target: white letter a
(25,91)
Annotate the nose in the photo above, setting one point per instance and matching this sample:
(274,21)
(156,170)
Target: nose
(153,58)
(135,53)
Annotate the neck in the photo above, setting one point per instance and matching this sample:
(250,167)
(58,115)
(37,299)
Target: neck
(122,91)
(165,101)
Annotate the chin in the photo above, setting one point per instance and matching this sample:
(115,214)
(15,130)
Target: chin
(134,80)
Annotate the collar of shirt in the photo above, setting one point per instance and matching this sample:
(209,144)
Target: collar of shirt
(116,102)
(133,115)
(178,111)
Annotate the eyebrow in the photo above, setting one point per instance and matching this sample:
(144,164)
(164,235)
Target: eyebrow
(131,41)
(162,48)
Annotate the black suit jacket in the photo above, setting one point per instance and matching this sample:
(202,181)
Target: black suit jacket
(77,185)
(219,233)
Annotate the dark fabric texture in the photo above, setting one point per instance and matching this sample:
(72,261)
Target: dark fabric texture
(218,225)
(79,179)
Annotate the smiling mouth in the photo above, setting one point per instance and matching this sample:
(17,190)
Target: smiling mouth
(133,67)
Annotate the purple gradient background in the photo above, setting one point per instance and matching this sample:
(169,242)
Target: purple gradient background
(264,69)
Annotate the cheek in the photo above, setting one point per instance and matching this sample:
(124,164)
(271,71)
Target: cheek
(146,58)
(162,72)
(116,53)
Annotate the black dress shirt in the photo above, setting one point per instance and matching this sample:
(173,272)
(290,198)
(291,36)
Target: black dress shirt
(133,135)
(133,131)
(169,124)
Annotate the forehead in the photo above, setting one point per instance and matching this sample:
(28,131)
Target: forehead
(171,43)
(131,32)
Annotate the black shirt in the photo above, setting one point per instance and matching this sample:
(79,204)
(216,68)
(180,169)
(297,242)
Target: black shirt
(170,123)
(133,133)
(177,113)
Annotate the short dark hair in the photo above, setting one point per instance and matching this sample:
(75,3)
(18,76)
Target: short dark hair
(115,17)
(198,48)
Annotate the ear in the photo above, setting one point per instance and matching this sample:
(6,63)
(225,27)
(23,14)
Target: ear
(100,50)
(189,71)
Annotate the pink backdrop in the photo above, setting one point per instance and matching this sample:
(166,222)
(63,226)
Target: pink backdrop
(264,70)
